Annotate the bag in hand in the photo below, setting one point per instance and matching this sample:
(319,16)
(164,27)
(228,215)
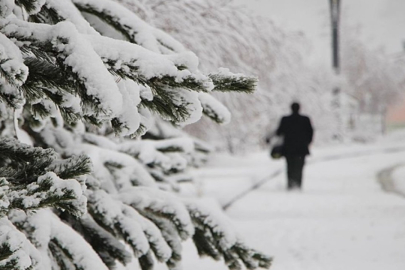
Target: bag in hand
(277,147)
(276,151)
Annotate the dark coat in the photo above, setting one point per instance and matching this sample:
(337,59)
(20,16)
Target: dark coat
(297,132)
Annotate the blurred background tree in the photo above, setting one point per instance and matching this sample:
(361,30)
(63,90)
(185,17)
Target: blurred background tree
(223,33)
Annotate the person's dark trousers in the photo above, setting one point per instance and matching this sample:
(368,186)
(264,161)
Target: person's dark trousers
(295,165)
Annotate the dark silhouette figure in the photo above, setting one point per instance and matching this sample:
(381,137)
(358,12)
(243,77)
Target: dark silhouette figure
(297,132)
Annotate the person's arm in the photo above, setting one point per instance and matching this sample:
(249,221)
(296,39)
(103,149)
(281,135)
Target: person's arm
(280,130)
(269,136)
(310,131)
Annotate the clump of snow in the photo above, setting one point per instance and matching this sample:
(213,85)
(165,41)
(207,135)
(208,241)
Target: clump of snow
(129,117)
(6,7)
(214,108)
(4,201)
(146,92)
(69,12)
(12,64)
(191,102)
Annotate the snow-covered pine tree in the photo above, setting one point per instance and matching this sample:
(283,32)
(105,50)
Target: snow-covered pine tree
(80,82)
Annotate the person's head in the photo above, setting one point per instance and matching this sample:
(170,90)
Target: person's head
(295,107)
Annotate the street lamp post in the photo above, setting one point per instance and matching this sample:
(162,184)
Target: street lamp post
(335,18)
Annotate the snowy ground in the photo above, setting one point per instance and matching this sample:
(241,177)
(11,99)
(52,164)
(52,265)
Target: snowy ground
(341,220)
(398,176)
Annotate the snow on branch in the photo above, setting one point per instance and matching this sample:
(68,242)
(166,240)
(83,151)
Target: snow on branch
(166,161)
(126,223)
(6,8)
(15,249)
(58,11)
(108,247)
(48,190)
(214,109)
(131,26)
(161,204)
(225,81)
(166,76)
(147,67)
(33,178)
(66,244)
(102,95)
(13,72)
(31,6)
(215,237)
(12,68)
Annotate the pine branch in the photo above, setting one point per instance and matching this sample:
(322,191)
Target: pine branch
(161,204)
(233,83)
(213,114)
(47,73)
(116,223)
(13,78)
(72,167)
(15,249)
(70,44)
(31,6)
(24,163)
(13,72)
(132,70)
(213,240)
(157,244)
(170,235)
(12,98)
(47,77)
(204,245)
(61,257)
(106,245)
(166,108)
(29,183)
(46,15)
(140,131)
(47,191)
(109,18)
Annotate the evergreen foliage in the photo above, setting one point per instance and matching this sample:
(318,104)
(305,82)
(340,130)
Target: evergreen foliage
(84,186)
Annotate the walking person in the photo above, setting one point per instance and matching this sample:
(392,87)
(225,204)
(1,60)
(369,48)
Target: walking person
(297,131)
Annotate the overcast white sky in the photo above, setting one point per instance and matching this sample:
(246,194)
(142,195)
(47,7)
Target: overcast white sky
(382,21)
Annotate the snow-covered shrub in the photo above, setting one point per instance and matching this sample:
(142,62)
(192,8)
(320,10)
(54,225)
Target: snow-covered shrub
(80,82)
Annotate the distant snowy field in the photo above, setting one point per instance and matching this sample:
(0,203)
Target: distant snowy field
(341,220)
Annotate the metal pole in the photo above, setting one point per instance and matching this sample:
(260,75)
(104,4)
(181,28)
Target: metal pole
(335,18)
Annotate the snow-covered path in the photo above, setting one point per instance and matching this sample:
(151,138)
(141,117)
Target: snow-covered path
(341,220)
